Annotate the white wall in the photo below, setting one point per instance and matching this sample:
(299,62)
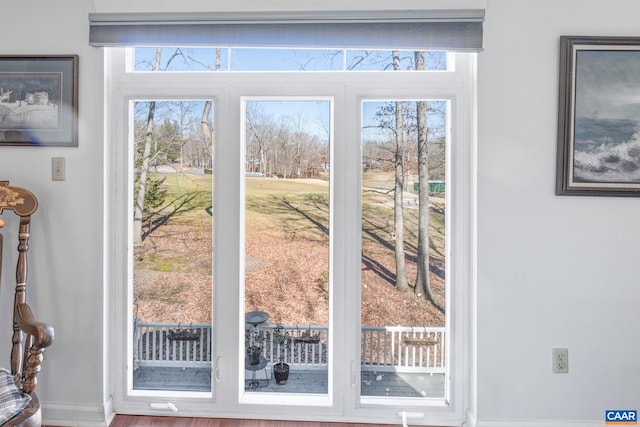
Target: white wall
(66,246)
(552,271)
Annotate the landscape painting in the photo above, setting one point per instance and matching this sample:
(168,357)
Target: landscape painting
(599,135)
(38,100)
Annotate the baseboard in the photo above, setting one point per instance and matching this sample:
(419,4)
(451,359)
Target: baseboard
(109,412)
(539,423)
(470,419)
(72,415)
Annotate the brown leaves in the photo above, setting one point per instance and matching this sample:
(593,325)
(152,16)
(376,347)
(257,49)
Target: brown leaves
(286,278)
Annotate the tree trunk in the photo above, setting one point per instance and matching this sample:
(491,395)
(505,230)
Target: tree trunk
(138,209)
(205,128)
(401,269)
(422,282)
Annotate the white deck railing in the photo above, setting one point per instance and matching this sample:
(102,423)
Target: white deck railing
(171,344)
(403,348)
(390,348)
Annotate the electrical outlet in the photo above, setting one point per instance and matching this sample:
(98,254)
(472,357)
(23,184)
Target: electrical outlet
(560,360)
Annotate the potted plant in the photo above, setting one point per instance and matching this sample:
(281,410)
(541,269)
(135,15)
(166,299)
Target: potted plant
(253,344)
(281,338)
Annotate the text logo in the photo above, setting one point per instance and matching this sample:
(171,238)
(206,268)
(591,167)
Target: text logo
(620,417)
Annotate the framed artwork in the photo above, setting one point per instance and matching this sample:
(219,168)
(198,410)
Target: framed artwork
(599,117)
(39,100)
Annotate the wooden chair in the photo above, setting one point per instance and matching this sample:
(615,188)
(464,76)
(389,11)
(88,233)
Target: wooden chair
(30,337)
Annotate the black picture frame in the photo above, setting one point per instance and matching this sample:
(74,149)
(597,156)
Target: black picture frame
(39,100)
(599,117)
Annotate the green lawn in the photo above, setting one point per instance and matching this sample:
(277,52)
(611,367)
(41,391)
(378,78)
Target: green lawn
(301,207)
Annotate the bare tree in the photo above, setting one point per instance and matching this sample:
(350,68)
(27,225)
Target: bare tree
(279,148)
(206,128)
(148,153)
(398,204)
(260,130)
(422,281)
(138,209)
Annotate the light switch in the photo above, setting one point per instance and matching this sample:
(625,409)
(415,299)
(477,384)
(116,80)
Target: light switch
(57,169)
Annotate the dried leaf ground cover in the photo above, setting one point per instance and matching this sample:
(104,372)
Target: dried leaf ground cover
(287,273)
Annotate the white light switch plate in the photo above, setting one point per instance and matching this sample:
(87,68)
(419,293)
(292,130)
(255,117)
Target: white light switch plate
(57,169)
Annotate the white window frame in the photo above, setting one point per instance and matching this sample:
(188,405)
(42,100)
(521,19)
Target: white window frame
(347,90)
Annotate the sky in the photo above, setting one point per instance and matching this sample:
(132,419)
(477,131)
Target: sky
(316,112)
(608,84)
(255,59)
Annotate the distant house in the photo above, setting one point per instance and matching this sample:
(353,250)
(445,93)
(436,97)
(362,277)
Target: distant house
(37,98)
(7,95)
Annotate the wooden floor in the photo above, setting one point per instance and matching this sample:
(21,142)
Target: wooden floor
(302,381)
(148,421)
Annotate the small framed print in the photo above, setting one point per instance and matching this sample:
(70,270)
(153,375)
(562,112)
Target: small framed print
(39,100)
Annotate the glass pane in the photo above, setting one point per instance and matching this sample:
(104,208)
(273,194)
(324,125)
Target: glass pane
(245,59)
(390,60)
(180,59)
(287,245)
(166,59)
(172,232)
(403,351)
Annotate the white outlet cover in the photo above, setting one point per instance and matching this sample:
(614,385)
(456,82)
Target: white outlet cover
(560,360)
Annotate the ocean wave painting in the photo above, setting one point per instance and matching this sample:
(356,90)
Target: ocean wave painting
(607,151)
(604,128)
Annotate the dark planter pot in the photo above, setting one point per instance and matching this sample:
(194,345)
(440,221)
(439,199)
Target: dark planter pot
(254,358)
(281,373)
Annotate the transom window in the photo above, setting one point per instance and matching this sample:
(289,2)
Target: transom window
(192,59)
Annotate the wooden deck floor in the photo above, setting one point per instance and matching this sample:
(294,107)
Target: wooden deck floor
(302,381)
(174,379)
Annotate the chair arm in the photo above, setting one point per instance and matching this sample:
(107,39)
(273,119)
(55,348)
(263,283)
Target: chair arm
(41,332)
(39,337)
